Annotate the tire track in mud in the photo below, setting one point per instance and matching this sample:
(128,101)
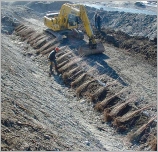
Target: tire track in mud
(117,103)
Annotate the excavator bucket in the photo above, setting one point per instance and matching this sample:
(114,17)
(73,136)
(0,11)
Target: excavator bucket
(85,50)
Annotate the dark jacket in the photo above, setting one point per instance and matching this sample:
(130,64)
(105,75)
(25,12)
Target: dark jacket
(98,19)
(52,56)
(95,17)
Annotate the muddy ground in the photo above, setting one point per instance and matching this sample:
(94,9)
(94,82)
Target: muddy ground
(84,106)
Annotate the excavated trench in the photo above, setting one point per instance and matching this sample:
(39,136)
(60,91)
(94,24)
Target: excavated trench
(137,45)
(106,95)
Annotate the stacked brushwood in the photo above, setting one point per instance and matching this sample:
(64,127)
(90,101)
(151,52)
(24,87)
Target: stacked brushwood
(67,76)
(83,87)
(135,137)
(40,41)
(64,57)
(110,114)
(79,80)
(127,118)
(68,66)
(100,106)
(102,91)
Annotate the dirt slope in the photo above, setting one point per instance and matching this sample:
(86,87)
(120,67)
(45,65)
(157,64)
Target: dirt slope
(36,108)
(43,113)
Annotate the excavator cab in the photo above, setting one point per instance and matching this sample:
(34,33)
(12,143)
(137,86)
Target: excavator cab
(72,21)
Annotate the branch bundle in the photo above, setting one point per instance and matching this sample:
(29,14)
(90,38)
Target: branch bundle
(46,46)
(60,53)
(64,57)
(98,93)
(33,37)
(19,27)
(110,115)
(128,117)
(76,75)
(27,36)
(49,49)
(101,105)
(101,91)
(68,66)
(137,135)
(36,40)
(22,30)
(62,64)
(83,87)
(40,43)
(67,75)
(25,32)
(78,80)
(153,144)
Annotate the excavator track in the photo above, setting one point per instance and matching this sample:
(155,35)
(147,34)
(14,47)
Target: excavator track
(77,34)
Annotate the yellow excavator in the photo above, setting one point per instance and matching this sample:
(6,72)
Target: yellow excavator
(66,23)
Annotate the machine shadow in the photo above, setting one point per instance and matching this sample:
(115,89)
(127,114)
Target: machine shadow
(72,43)
(98,61)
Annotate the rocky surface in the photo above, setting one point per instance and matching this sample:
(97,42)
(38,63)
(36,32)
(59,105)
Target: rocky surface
(131,23)
(43,113)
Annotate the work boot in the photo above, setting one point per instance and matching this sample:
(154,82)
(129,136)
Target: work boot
(50,73)
(56,69)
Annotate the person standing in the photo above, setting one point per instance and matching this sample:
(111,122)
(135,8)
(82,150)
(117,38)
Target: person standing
(99,19)
(52,59)
(95,20)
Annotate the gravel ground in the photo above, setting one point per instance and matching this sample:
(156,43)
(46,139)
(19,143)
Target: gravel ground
(42,113)
(33,98)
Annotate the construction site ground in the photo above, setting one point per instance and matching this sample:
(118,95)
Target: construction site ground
(59,113)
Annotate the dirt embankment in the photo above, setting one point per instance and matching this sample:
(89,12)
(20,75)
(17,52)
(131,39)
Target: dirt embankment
(137,46)
(52,113)
(130,23)
(16,12)
(38,112)
(136,33)
(116,100)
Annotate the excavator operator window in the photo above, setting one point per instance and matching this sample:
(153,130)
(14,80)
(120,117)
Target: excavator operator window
(72,20)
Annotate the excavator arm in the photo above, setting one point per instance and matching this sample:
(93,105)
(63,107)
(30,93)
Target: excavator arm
(87,26)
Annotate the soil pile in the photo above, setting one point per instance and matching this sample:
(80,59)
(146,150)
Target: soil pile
(135,45)
(43,7)
(130,23)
